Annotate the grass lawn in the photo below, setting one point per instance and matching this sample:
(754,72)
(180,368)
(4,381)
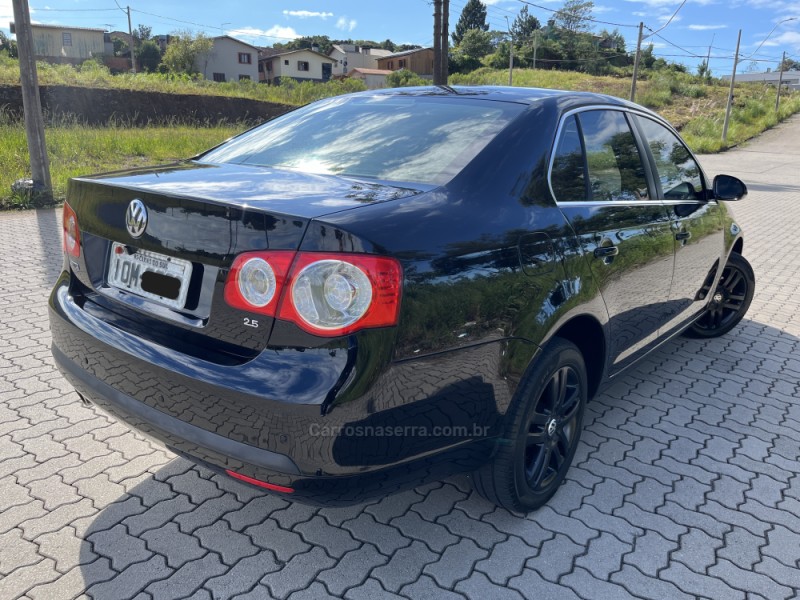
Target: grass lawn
(79,150)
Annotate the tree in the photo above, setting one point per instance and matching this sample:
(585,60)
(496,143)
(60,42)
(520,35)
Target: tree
(120,46)
(574,16)
(524,25)
(323,42)
(473,47)
(9,45)
(703,72)
(789,65)
(149,55)
(184,50)
(141,34)
(473,16)
(404,78)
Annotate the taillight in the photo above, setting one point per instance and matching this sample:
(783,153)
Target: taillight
(72,235)
(327,294)
(255,280)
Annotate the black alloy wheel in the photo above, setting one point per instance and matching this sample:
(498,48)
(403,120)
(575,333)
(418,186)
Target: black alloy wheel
(542,432)
(552,429)
(729,302)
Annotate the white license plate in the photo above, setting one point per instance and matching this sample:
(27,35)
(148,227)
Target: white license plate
(163,279)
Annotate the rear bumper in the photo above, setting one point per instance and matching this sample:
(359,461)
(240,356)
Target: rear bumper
(264,419)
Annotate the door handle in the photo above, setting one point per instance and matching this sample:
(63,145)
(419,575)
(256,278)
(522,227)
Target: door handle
(683,235)
(605,251)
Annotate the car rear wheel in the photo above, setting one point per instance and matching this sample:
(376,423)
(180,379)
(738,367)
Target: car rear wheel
(730,301)
(544,425)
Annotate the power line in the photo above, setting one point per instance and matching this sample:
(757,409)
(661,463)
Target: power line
(552,10)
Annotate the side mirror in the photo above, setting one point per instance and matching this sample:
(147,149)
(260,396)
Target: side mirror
(729,188)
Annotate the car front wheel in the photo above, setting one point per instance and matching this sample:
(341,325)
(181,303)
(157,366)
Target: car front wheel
(730,301)
(544,426)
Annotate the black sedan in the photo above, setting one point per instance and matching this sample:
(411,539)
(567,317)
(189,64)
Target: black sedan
(385,288)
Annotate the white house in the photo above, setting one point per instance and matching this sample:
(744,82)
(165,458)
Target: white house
(791,79)
(375,79)
(229,60)
(350,56)
(300,65)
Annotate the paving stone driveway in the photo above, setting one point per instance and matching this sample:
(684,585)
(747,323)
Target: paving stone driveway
(685,484)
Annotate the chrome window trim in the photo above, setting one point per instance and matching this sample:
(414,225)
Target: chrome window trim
(623,109)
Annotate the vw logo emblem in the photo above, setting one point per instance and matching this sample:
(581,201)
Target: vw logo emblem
(551,427)
(136,218)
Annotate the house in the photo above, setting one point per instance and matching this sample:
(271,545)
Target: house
(229,60)
(62,44)
(264,53)
(419,61)
(300,65)
(350,56)
(791,79)
(375,79)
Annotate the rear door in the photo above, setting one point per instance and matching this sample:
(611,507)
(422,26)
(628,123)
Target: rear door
(696,221)
(599,179)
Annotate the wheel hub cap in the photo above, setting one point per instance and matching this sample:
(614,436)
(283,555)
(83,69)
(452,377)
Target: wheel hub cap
(551,427)
(718,297)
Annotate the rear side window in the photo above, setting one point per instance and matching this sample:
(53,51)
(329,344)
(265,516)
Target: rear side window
(615,168)
(678,172)
(393,138)
(568,176)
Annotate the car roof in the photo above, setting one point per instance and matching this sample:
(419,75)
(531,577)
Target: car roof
(564,99)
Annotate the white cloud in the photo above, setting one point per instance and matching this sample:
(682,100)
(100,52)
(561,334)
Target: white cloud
(255,35)
(346,24)
(307,14)
(6,14)
(706,27)
(788,39)
(599,9)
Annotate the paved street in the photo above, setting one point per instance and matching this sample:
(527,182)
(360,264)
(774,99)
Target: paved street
(685,485)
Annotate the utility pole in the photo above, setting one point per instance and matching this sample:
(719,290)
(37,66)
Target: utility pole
(780,83)
(730,93)
(510,55)
(708,59)
(437,42)
(133,44)
(535,45)
(445,45)
(31,103)
(636,60)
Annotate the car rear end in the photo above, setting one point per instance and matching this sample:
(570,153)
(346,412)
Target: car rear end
(189,308)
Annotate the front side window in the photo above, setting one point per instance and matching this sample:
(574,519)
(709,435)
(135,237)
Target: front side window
(614,166)
(568,176)
(244,58)
(392,138)
(302,65)
(219,77)
(66,39)
(678,173)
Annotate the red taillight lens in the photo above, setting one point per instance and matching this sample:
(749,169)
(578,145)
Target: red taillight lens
(72,235)
(335,294)
(327,294)
(256,280)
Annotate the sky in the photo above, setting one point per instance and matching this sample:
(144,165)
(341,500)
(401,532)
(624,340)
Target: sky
(769,27)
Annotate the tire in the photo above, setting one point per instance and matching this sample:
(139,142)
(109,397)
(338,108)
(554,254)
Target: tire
(730,301)
(542,432)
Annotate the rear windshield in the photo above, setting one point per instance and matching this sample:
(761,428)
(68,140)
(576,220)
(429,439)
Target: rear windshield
(392,138)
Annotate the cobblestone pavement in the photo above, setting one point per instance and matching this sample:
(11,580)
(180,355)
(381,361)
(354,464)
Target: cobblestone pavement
(685,484)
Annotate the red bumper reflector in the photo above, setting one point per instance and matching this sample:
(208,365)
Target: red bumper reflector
(264,484)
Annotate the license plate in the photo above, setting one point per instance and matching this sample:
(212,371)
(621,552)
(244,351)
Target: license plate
(163,279)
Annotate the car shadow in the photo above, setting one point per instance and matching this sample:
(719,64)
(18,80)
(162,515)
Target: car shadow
(179,527)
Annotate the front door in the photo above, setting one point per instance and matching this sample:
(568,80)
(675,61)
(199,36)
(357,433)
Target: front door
(696,221)
(327,69)
(600,183)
